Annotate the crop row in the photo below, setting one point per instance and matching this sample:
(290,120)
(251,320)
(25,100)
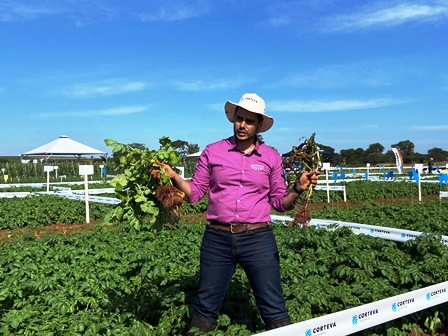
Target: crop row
(45,210)
(34,211)
(121,282)
(112,282)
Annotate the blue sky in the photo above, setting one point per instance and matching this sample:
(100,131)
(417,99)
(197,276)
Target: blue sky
(355,72)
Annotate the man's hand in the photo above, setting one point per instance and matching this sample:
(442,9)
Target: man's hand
(306,180)
(168,170)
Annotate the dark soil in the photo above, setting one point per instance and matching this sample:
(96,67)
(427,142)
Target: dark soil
(38,232)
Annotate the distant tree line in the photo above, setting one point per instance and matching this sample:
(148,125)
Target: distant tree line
(375,153)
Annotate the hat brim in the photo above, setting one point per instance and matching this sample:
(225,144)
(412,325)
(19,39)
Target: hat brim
(230,109)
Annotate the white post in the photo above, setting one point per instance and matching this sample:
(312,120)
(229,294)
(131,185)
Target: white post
(86,170)
(419,168)
(86,188)
(419,186)
(48,169)
(326,166)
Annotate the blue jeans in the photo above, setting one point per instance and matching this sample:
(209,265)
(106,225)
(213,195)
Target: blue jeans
(256,251)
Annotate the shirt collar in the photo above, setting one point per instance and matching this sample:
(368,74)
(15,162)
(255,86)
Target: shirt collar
(234,147)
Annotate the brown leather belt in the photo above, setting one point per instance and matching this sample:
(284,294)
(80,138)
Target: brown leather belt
(237,227)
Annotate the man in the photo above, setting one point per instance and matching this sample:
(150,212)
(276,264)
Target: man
(430,165)
(243,180)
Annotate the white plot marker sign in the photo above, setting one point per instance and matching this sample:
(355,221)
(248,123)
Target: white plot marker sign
(86,170)
(48,169)
(419,169)
(326,167)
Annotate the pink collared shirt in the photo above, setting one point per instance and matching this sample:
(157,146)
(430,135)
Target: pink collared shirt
(241,187)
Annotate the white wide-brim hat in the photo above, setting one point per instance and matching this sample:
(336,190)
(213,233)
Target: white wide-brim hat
(252,103)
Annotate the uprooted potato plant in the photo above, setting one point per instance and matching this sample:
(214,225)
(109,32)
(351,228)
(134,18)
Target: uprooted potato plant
(148,197)
(307,155)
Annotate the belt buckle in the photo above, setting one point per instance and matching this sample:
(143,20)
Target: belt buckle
(236,225)
(231,228)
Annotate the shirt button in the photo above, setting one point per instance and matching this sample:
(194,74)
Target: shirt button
(238,201)
(236,216)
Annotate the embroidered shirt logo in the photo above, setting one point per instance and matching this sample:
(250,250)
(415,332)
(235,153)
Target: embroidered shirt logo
(257,167)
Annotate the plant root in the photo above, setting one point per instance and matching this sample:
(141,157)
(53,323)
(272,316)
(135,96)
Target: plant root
(170,197)
(302,216)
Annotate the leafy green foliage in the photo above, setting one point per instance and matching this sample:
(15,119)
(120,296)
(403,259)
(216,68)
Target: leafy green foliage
(124,282)
(375,190)
(41,210)
(138,177)
(429,216)
(113,282)
(34,172)
(104,283)
(199,207)
(53,187)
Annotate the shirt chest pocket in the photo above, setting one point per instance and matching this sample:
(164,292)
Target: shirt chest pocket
(256,176)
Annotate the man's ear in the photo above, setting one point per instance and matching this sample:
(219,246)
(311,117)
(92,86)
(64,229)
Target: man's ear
(260,125)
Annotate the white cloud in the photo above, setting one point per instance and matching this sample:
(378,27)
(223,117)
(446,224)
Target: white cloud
(105,88)
(82,11)
(331,106)
(200,85)
(175,12)
(390,16)
(430,128)
(16,10)
(116,111)
(122,110)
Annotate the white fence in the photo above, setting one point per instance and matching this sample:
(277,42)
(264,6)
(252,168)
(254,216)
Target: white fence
(332,188)
(387,233)
(355,319)
(71,194)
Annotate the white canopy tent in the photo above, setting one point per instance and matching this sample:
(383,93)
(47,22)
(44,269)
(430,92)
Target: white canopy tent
(197,154)
(63,146)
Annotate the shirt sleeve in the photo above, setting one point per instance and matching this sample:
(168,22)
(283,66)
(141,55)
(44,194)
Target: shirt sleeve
(278,187)
(200,181)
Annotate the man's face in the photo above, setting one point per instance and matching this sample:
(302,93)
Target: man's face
(246,124)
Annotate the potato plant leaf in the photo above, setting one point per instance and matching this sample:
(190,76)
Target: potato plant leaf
(136,183)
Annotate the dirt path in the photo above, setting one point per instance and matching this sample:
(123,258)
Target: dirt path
(38,232)
(61,228)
